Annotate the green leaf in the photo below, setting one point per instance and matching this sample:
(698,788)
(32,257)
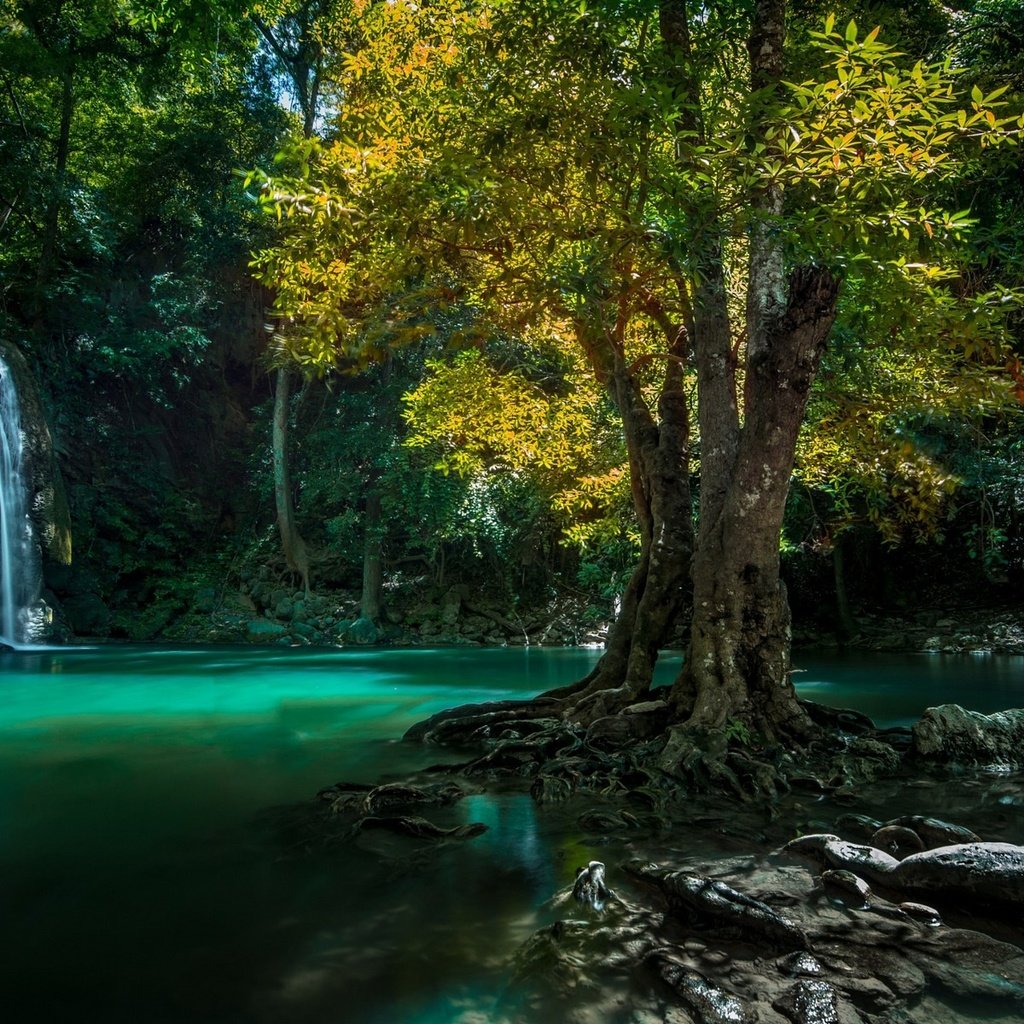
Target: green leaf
(851,31)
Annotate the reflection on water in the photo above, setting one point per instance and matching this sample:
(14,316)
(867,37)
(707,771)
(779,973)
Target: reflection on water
(139,880)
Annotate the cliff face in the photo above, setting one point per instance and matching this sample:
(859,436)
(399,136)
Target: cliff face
(51,518)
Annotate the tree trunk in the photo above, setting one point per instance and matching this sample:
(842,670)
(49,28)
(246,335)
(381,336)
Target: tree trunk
(51,225)
(659,475)
(738,664)
(373,580)
(292,543)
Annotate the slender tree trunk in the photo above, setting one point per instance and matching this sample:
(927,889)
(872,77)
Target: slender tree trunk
(373,580)
(51,225)
(292,544)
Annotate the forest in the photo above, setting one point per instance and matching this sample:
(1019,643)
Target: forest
(678,343)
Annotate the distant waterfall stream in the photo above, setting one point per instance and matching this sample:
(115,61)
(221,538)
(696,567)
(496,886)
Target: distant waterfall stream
(19,571)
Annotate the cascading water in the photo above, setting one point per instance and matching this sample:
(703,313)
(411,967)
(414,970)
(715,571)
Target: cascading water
(20,612)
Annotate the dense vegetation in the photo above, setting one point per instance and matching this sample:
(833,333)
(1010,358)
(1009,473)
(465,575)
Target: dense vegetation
(515,308)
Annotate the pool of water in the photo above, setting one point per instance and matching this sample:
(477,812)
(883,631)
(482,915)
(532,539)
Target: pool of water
(140,880)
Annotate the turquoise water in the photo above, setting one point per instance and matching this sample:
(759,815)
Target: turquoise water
(142,879)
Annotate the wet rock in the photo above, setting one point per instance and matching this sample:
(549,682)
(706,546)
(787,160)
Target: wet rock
(933,832)
(705,1001)
(857,825)
(846,886)
(809,1002)
(990,872)
(799,965)
(362,631)
(953,734)
(263,631)
(921,913)
(897,841)
(971,964)
(865,861)
(705,900)
(589,889)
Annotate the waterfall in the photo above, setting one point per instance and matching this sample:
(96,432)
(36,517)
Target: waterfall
(21,619)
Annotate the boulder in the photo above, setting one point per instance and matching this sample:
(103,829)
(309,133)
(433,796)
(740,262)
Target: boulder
(863,861)
(362,631)
(263,631)
(989,872)
(934,832)
(952,734)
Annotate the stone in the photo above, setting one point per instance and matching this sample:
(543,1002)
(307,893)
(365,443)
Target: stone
(897,841)
(799,965)
(846,886)
(992,873)
(864,861)
(934,832)
(705,1001)
(922,913)
(809,1002)
(362,631)
(952,734)
(263,630)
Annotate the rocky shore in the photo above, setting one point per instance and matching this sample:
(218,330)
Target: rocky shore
(883,883)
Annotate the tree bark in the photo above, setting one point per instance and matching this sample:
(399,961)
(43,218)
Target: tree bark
(658,449)
(292,544)
(738,662)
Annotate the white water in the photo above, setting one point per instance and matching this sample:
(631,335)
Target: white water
(20,614)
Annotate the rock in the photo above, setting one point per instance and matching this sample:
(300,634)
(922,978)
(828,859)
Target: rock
(706,1002)
(858,825)
(263,630)
(897,841)
(934,832)
(799,965)
(952,734)
(809,1002)
(362,631)
(846,886)
(589,889)
(921,913)
(971,964)
(990,872)
(864,861)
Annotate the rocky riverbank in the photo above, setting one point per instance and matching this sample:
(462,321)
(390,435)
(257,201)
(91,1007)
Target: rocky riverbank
(882,884)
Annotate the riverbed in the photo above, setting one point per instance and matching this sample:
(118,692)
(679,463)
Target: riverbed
(145,877)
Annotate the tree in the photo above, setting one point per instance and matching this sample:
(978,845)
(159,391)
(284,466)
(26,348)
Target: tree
(643,185)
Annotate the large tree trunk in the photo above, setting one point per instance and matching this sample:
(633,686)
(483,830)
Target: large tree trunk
(738,664)
(291,540)
(658,449)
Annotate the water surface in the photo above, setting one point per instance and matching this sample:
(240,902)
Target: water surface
(141,878)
